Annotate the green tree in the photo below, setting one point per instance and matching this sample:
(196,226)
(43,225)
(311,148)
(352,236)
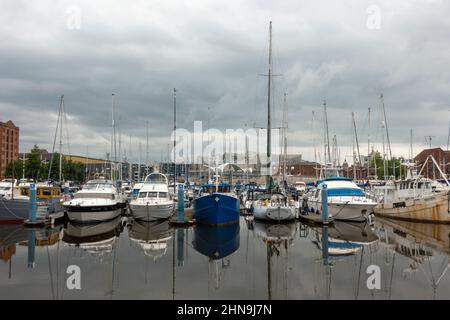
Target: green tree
(33,164)
(17,166)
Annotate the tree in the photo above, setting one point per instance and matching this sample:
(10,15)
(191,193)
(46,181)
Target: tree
(17,165)
(33,164)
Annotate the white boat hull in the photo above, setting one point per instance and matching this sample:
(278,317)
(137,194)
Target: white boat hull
(346,211)
(151,212)
(93,216)
(274,213)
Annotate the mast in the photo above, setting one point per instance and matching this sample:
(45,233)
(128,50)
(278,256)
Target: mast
(139,162)
(387,133)
(146,149)
(314,142)
(174,140)
(327,134)
(269,124)
(368,146)
(284,136)
(60,139)
(113,171)
(356,138)
(54,142)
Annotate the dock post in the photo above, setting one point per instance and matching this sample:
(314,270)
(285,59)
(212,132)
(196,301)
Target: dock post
(325,215)
(181,203)
(32,209)
(325,245)
(31,248)
(180,247)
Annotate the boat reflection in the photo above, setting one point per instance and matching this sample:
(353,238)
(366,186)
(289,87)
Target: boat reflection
(151,237)
(217,243)
(278,238)
(427,246)
(96,238)
(343,238)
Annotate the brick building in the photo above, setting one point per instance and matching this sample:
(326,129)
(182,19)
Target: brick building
(442,158)
(9,145)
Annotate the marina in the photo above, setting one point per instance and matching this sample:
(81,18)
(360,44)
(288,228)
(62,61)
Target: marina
(224,151)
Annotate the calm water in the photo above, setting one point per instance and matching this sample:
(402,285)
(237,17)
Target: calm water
(123,259)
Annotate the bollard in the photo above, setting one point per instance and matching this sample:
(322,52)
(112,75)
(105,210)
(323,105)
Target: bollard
(180,247)
(325,245)
(324,204)
(181,203)
(32,209)
(31,248)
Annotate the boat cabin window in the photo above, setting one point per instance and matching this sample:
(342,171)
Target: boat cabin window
(45,192)
(163,194)
(152,195)
(419,185)
(143,195)
(317,193)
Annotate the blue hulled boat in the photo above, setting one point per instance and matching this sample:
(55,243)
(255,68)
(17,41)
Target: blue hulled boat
(216,205)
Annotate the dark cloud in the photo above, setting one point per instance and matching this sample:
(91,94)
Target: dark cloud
(212,52)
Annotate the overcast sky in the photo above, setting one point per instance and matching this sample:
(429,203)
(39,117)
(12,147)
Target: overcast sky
(213,53)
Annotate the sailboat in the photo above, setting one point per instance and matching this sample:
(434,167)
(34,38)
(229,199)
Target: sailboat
(273,205)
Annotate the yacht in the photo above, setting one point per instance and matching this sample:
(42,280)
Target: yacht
(346,201)
(153,202)
(98,200)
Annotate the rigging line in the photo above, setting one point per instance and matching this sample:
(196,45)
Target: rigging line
(54,141)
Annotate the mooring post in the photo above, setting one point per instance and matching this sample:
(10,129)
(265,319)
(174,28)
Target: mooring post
(325,245)
(32,209)
(324,204)
(31,248)
(180,247)
(181,203)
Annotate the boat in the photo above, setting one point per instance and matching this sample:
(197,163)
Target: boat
(300,186)
(151,237)
(414,199)
(153,202)
(15,203)
(272,206)
(216,205)
(346,201)
(98,200)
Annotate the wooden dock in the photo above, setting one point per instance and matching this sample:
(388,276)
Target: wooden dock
(188,219)
(43,223)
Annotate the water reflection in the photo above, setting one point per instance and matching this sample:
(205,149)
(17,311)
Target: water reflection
(217,243)
(253,260)
(278,238)
(151,237)
(426,246)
